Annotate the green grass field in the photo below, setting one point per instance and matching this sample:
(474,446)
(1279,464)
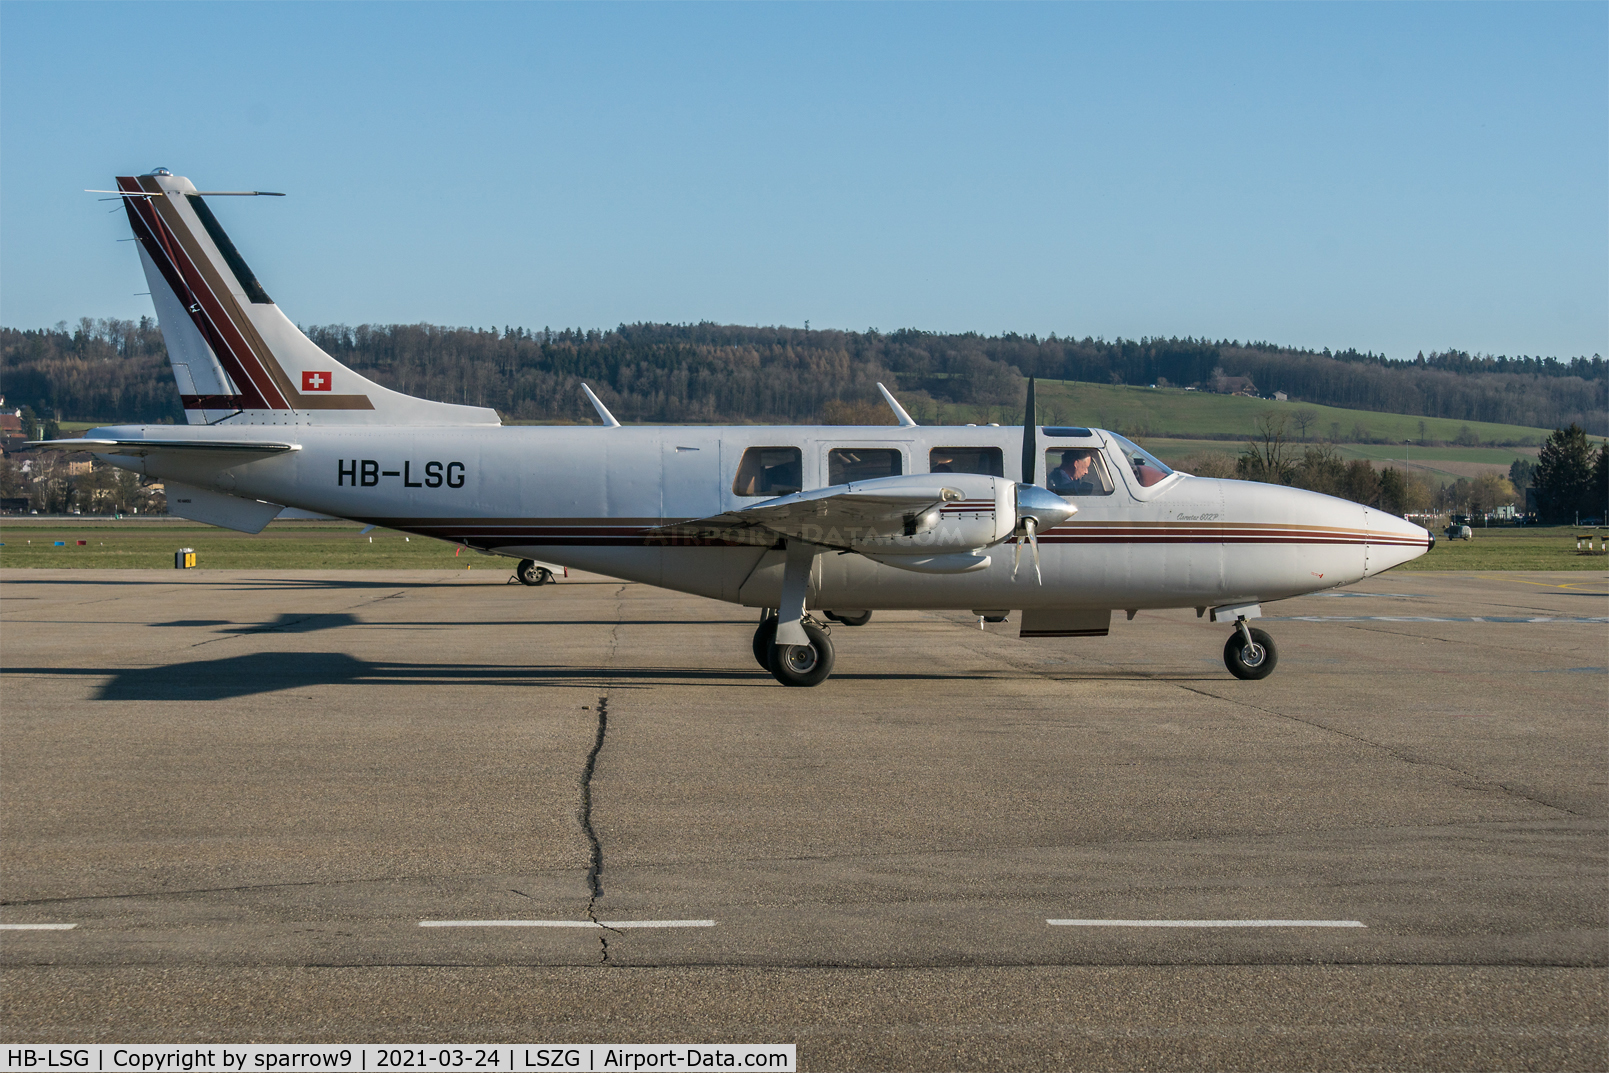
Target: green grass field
(128,544)
(1166,448)
(1172,413)
(1444,464)
(1523,548)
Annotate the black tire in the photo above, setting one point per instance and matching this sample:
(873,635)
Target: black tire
(803,665)
(850,618)
(1251,670)
(765,635)
(531,574)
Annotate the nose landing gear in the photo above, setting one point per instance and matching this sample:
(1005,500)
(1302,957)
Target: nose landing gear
(1250,654)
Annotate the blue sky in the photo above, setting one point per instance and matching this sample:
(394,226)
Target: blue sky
(1391,177)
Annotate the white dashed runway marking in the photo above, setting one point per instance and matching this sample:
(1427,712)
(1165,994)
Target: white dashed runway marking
(1207,923)
(1507,620)
(612,924)
(37,927)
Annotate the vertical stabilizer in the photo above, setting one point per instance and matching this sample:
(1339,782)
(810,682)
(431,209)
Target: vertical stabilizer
(235,355)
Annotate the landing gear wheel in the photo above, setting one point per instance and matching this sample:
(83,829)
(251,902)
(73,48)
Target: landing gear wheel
(1253,661)
(765,636)
(850,618)
(802,665)
(531,574)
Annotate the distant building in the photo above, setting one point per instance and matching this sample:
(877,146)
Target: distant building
(1280,396)
(1234,385)
(12,435)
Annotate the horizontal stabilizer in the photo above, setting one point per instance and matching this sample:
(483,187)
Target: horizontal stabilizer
(146,447)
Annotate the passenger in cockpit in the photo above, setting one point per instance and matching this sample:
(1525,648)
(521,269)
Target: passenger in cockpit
(1080,474)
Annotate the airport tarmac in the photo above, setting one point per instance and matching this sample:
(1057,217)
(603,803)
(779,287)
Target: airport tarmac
(248,790)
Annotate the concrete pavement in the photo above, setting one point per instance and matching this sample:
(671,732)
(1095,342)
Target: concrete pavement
(247,789)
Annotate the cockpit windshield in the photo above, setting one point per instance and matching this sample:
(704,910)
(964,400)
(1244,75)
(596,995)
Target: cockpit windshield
(1148,469)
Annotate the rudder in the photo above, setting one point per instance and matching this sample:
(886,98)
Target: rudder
(235,355)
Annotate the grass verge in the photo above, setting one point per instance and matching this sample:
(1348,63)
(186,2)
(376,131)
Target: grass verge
(1522,548)
(114,545)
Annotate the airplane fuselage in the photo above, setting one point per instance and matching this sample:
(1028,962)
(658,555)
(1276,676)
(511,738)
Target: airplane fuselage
(588,498)
(844,519)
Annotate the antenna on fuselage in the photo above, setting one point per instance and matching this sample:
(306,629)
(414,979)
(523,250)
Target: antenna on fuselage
(603,411)
(905,420)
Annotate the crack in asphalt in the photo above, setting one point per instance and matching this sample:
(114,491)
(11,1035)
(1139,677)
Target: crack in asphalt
(594,846)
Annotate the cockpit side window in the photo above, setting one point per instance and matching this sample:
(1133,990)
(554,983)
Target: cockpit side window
(986,460)
(1148,469)
(769,472)
(1077,471)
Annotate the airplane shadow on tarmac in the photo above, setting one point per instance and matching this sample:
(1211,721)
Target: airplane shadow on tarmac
(269,672)
(285,623)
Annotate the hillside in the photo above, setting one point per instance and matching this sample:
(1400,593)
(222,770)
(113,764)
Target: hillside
(117,370)
(1179,414)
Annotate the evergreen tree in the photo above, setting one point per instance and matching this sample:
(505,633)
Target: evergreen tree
(1393,491)
(1564,477)
(1600,483)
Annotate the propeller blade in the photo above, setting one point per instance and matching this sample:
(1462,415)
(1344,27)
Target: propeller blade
(1030,437)
(1033,542)
(1030,526)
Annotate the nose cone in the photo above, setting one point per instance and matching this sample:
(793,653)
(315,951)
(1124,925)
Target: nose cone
(1392,541)
(1046,508)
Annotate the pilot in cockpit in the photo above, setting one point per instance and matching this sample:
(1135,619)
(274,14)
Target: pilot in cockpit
(1080,474)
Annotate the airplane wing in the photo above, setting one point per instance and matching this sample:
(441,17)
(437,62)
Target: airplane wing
(145,447)
(848,515)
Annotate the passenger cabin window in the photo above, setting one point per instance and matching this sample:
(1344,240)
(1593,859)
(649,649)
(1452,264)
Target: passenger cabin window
(845,464)
(985,460)
(769,472)
(1077,471)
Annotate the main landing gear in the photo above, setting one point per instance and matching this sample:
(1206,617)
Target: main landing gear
(1249,653)
(794,665)
(531,574)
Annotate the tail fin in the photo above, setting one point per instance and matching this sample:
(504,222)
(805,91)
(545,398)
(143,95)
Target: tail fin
(234,353)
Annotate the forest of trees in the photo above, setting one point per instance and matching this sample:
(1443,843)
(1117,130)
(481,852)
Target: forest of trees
(105,370)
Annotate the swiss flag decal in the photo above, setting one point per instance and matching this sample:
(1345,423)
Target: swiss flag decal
(315,381)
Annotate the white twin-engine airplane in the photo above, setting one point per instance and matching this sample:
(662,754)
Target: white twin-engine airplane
(789,519)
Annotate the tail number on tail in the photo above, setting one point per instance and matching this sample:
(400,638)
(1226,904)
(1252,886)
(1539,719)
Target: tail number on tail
(366,473)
